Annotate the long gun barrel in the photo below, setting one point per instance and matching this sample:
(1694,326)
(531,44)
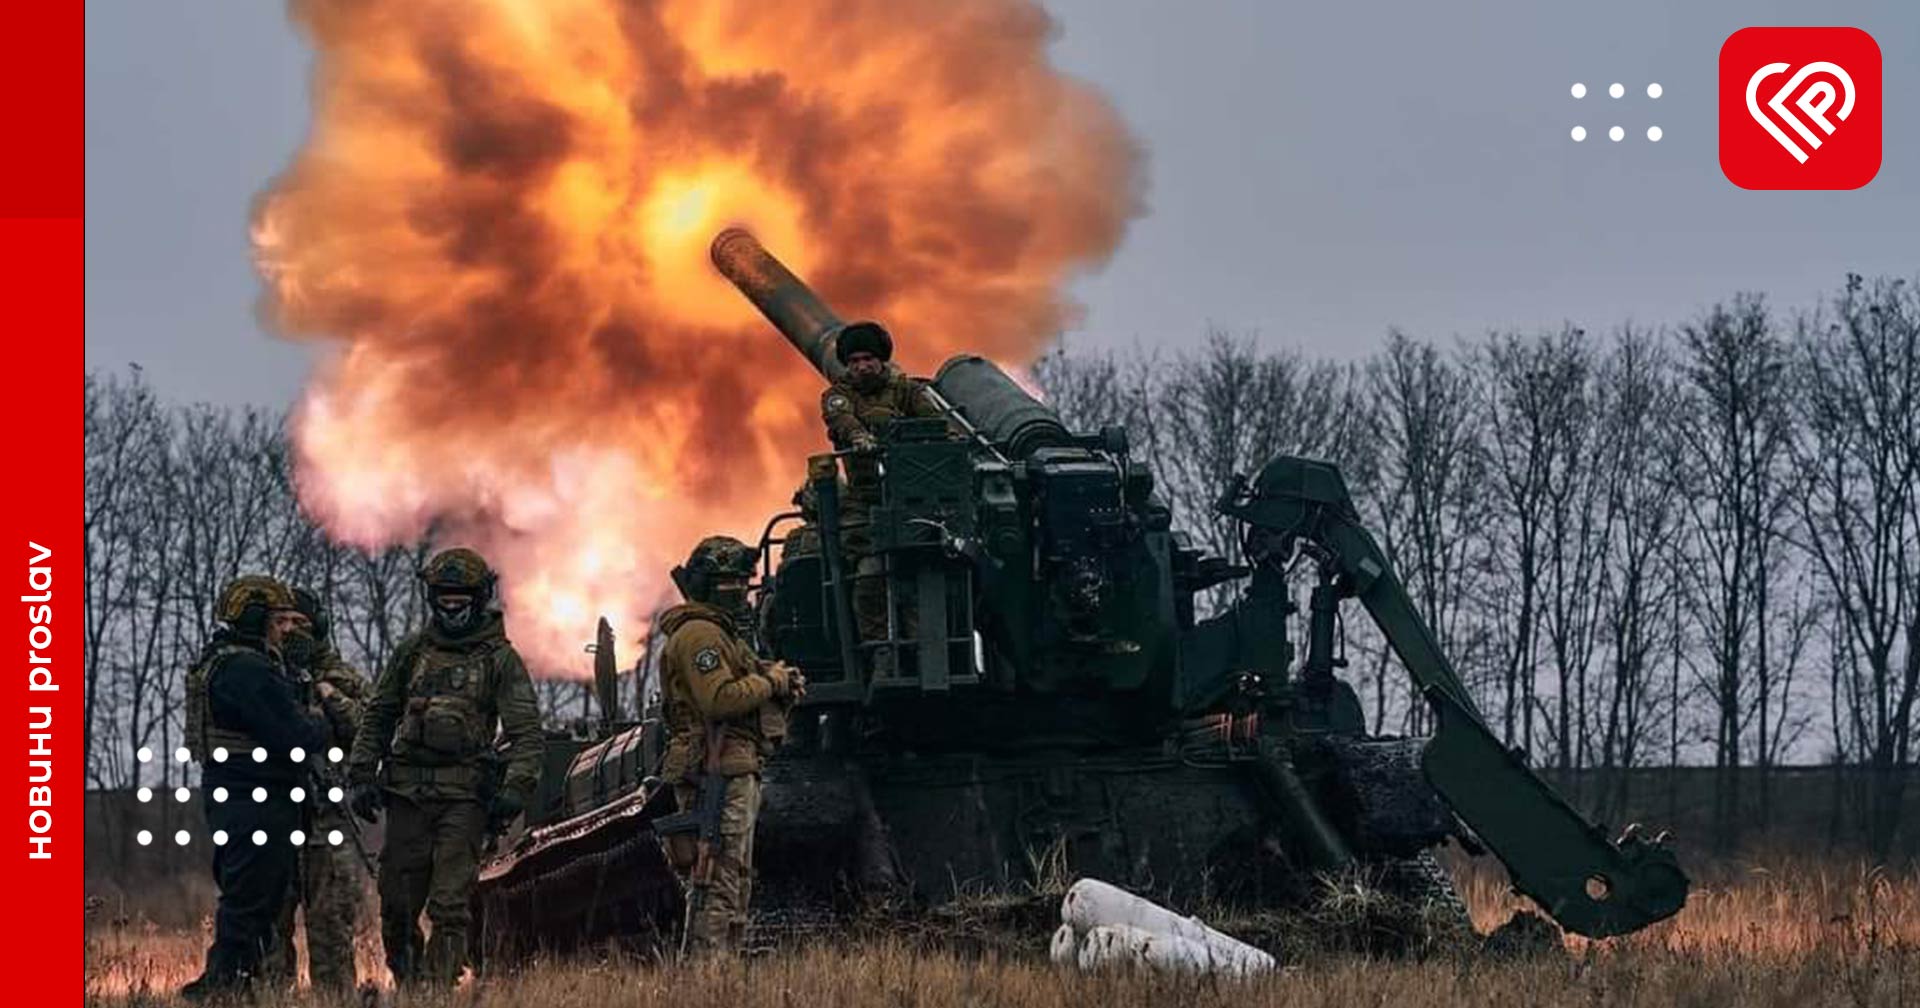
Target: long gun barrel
(783,298)
(993,407)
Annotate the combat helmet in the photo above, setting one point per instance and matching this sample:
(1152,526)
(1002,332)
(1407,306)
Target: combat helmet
(715,557)
(457,572)
(245,602)
(309,605)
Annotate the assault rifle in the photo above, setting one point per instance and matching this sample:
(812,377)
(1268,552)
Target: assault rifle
(703,823)
(493,772)
(324,779)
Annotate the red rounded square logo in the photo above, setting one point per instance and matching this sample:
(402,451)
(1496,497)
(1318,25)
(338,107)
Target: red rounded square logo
(1800,108)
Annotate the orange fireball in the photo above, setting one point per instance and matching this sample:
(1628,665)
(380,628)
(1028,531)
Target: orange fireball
(501,218)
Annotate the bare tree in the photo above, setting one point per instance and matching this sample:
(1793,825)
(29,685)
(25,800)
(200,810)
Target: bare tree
(1858,506)
(1732,436)
(1428,496)
(1529,388)
(125,437)
(1637,586)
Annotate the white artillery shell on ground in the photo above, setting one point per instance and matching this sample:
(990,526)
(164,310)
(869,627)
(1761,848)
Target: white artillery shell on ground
(1111,945)
(1092,904)
(1065,947)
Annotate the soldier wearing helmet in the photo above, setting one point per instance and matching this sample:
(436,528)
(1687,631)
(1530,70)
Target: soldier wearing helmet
(423,752)
(244,719)
(327,884)
(717,692)
(868,395)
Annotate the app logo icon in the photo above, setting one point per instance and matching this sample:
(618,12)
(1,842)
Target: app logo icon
(1800,108)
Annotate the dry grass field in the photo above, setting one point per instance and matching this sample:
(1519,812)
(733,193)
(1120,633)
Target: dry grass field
(1776,932)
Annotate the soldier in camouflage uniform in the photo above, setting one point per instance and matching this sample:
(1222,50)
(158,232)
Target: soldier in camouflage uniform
(328,882)
(871,392)
(423,751)
(243,720)
(713,683)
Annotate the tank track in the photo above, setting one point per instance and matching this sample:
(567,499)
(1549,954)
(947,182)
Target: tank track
(1437,921)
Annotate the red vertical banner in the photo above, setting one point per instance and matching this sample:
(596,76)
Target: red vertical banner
(42,279)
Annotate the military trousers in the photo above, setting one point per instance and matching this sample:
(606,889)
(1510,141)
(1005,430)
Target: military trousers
(253,871)
(720,924)
(429,861)
(326,892)
(870,591)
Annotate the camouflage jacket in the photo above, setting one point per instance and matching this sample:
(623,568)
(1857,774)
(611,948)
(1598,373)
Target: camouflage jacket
(850,413)
(435,710)
(709,675)
(341,692)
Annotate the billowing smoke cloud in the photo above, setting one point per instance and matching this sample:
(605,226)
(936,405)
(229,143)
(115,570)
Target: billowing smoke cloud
(501,217)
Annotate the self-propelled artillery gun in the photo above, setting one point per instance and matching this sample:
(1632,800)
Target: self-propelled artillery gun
(1056,694)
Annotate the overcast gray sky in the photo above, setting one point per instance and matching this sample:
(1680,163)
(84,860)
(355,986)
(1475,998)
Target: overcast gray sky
(1319,172)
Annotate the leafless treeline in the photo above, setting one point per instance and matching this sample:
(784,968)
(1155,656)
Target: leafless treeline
(1640,548)
(1643,547)
(178,500)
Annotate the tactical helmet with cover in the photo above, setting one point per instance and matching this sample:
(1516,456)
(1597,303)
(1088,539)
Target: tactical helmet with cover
(301,646)
(309,604)
(244,604)
(711,572)
(459,587)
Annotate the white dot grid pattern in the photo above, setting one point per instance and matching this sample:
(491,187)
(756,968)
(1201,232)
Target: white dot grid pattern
(297,754)
(335,837)
(219,754)
(1616,133)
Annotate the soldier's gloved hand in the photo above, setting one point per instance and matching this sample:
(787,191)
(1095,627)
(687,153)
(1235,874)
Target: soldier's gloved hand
(366,801)
(781,675)
(502,810)
(865,443)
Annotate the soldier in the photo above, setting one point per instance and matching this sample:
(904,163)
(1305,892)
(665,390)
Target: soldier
(243,722)
(715,688)
(871,392)
(327,882)
(423,751)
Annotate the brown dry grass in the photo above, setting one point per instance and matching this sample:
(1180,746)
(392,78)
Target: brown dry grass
(1780,933)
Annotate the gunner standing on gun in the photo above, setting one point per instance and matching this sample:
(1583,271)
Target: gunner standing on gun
(868,395)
